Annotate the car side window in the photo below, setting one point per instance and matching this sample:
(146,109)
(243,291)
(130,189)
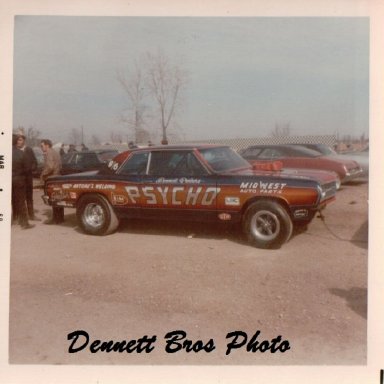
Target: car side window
(175,163)
(270,153)
(135,165)
(254,152)
(190,166)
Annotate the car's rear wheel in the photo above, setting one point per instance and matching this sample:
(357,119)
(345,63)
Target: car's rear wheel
(267,224)
(96,216)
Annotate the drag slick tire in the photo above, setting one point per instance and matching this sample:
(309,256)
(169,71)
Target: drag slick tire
(96,216)
(267,224)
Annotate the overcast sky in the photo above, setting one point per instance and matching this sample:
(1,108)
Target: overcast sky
(245,75)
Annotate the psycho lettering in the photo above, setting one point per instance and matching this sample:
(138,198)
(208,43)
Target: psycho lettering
(172,195)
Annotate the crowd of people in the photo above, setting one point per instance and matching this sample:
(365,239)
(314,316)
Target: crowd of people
(24,163)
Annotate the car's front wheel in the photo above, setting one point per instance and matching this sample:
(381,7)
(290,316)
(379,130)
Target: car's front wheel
(96,216)
(267,224)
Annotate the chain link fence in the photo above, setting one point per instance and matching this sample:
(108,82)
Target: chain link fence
(240,143)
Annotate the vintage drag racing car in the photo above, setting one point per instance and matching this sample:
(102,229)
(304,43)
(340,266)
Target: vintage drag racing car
(194,182)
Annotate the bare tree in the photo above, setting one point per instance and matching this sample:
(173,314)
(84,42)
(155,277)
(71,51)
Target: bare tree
(95,141)
(33,136)
(134,88)
(116,137)
(143,136)
(363,139)
(281,130)
(165,82)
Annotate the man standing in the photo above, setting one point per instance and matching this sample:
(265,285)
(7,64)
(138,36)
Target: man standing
(52,166)
(31,165)
(19,167)
(62,151)
(71,148)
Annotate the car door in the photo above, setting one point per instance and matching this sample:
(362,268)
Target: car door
(177,185)
(128,198)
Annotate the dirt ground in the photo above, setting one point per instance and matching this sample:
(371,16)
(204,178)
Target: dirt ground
(151,278)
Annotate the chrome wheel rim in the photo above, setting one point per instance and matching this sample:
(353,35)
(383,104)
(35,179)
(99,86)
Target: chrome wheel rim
(94,215)
(265,225)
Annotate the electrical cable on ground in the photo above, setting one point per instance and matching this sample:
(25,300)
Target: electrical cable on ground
(322,218)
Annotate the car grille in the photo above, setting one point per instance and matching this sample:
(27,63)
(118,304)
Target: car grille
(354,171)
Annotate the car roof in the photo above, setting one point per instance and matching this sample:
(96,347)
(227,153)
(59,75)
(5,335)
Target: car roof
(97,150)
(177,146)
(293,148)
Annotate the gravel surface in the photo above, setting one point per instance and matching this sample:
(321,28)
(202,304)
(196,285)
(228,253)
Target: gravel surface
(151,278)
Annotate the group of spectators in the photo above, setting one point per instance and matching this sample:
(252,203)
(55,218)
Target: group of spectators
(24,163)
(71,149)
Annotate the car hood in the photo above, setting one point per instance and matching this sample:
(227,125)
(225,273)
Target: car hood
(290,173)
(349,163)
(76,175)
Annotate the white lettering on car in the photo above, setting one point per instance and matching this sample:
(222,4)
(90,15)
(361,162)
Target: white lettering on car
(163,193)
(151,197)
(172,195)
(192,195)
(133,193)
(261,187)
(113,165)
(210,195)
(83,186)
(105,186)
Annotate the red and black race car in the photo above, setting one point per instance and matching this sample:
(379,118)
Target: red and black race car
(194,182)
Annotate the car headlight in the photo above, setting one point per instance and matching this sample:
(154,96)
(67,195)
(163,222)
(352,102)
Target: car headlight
(321,192)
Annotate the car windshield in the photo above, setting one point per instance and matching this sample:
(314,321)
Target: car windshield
(324,149)
(223,159)
(302,152)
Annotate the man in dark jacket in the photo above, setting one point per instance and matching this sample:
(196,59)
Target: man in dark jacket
(31,166)
(19,171)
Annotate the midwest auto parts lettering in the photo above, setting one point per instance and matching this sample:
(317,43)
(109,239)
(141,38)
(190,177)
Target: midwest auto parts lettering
(262,187)
(169,195)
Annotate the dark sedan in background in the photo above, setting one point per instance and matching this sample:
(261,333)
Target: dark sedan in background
(296,156)
(83,161)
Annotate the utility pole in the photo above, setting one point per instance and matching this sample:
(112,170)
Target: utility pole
(82,135)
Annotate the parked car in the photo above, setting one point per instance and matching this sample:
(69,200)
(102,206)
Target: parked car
(295,156)
(361,157)
(205,183)
(83,161)
(322,148)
